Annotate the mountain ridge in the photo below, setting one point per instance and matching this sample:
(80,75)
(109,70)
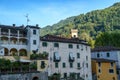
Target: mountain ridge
(92,22)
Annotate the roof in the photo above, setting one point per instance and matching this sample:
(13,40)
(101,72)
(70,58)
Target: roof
(51,38)
(103,60)
(36,27)
(12,27)
(105,48)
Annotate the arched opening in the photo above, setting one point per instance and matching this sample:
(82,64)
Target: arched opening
(23,52)
(35,78)
(13,52)
(6,51)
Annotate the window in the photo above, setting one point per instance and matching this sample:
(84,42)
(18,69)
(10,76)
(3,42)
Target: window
(111,71)
(78,75)
(71,65)
(64,65)
(56,65)
(86,58)
(99,70)
(112,64)
(34,42)
(65,75)
(70,46)
(78,55)
(77,46)
(86,48)
(44,44)
(98,55)
(71,56)
(56,56)
(81,47)
(99,64)
(34,31)
(56,45)
(78,65)
(87,65)
(42,64)
(108,54)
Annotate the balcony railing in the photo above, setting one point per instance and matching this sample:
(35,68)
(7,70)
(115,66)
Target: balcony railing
(4,33)
(57,59)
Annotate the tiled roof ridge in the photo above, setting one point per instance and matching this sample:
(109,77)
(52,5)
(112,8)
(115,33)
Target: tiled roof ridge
(105,48)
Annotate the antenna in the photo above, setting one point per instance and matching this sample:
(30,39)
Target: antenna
(27,18)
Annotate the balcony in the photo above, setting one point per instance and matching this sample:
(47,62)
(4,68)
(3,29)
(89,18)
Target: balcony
(56,57)
(4,33)
(71,57)
(14,34)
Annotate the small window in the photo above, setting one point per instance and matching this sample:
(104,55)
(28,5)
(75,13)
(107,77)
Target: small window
(81,47)
(99,70)
(71,65)
(87,65)
(86,58)
(78,75)
(111,71)
(64,65)
(108,54)
(70,46)
(86,48)
(77,46)
(99,64)
(42,64)
(65,75)
(56,45)
(112,64)
(56,65)
(98,55)
(44,44)
(34,42)
(78,55)
(78,65)
(34,31)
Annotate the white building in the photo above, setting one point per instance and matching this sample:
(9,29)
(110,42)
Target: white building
(67,56)
(19,40)
(108,52)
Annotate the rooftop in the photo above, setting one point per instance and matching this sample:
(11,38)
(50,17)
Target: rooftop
(103,60)
(105,48)
(51,38)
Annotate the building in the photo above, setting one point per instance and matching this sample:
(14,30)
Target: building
(103,69)
(19,40)
(67,56)
(108,52)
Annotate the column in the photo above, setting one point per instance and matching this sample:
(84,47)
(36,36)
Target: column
(0,35)
(8,36)
(18,33)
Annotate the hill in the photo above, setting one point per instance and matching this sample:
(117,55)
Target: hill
(91,23)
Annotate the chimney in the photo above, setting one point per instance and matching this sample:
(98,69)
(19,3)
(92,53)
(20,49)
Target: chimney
(13,25)
(37,25)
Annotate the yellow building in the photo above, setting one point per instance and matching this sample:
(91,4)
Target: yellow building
(104,69)
(42,65)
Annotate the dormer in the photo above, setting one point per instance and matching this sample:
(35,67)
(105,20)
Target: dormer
(74,33)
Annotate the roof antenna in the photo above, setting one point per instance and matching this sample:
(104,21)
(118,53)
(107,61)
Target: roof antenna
(27,18)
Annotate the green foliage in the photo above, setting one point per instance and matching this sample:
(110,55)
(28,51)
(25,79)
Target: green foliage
(111,38)
(43,55)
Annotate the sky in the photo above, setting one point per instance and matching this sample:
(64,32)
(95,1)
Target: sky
(46,12)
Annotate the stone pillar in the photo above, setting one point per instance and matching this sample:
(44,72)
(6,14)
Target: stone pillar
(9,36)
(18,33)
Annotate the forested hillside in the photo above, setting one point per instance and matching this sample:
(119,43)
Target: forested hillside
(89,24)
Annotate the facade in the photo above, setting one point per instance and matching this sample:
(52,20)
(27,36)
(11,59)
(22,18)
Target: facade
(103,69)
(108,52)
(19,40)
(67,56)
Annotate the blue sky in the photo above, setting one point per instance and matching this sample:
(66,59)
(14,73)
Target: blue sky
(46,12)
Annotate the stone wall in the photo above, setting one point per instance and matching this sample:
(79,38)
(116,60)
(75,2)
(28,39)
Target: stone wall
(25,76)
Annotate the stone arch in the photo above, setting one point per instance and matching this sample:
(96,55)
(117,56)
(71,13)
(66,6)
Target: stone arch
(35,78)
(6,51)
(23,52)
(13,52)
